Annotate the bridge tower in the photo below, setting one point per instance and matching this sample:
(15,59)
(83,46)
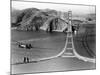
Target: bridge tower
(69,47)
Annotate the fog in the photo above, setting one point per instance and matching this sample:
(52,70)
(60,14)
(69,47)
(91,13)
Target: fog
(76,9)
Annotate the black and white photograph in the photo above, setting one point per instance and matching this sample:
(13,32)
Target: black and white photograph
(52,37)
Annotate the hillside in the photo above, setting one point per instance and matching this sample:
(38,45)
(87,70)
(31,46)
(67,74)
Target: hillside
(30,16)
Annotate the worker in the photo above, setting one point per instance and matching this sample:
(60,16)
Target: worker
(25,60)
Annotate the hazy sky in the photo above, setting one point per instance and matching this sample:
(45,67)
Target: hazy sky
(77,9)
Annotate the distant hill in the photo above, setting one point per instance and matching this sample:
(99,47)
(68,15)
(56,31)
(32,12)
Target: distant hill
(25,16)
(92,16)
(51,12)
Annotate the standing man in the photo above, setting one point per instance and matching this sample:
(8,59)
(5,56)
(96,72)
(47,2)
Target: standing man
(25,60)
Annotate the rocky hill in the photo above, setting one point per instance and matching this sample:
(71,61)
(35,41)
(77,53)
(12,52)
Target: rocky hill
(29,18)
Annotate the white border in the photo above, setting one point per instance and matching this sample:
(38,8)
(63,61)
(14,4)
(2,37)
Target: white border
(5,37)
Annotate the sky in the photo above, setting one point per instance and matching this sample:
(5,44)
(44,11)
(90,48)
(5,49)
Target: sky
(76,9)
